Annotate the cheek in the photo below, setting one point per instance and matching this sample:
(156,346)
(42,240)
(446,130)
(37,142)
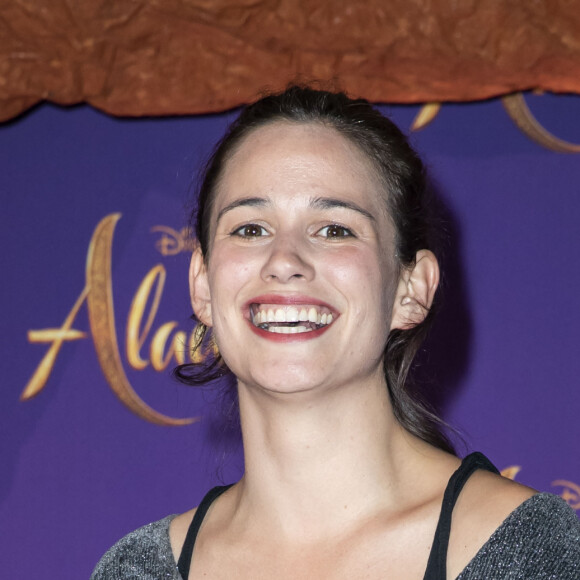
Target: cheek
(229,272)
(369,284)
(365,275)
(230,267)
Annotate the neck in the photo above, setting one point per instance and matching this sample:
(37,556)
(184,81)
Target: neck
(307,455)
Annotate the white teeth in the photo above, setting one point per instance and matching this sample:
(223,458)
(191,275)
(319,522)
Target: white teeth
(288,329)
(263,316)
(292,315)
(312,315)
(302,329)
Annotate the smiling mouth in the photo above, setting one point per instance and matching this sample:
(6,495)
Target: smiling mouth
(294,319)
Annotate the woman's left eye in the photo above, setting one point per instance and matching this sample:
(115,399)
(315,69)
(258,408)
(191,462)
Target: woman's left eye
(335,231)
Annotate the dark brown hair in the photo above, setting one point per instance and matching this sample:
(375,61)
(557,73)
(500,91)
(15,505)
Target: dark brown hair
(402,173)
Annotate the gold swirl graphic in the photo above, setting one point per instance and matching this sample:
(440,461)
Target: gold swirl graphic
(159,361)
(135,334)
(102,323)
(511,471)
(570,492)
(427,113)
(518,110)
(56,336)
(172,242)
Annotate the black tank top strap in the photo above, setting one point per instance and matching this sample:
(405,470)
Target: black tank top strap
(437,564)
(184,562)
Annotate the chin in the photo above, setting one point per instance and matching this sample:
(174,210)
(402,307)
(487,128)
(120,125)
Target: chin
(284,381)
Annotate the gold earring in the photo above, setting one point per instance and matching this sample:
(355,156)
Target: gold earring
(196,342)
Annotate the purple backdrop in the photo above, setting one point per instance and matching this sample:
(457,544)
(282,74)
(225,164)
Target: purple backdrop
(80,468)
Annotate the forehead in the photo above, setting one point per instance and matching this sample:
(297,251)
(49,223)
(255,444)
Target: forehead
(299,158)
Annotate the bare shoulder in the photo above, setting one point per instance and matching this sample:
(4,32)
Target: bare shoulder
(178,530)
(486,501)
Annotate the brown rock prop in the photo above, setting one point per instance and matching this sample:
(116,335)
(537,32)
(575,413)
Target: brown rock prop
(170,57)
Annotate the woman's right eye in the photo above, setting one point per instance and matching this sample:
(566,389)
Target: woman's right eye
(250,231)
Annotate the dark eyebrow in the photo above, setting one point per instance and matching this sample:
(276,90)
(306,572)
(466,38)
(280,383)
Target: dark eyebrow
(245,201)
(316,203)
(330,202)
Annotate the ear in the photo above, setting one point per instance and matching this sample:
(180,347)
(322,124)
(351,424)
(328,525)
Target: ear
(199,287)
(415,291)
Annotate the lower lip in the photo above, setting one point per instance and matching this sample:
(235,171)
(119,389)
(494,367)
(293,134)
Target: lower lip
(298,337)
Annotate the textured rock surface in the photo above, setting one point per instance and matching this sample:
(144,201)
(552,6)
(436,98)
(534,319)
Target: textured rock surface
(160,57)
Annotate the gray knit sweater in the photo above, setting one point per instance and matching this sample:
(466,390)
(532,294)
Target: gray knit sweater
(539,540)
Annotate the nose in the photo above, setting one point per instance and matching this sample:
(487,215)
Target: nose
(286,262)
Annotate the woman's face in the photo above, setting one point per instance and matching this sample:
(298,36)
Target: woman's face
(301,276)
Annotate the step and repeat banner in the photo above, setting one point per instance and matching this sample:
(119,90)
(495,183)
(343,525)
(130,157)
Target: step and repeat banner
(97,438)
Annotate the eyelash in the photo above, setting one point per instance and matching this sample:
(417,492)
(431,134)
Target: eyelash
(240,231)
(260,231)
(346,233)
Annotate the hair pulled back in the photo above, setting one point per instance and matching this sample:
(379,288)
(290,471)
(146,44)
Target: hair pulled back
(402,174)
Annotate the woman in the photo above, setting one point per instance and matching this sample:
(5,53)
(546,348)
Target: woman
(314,274)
